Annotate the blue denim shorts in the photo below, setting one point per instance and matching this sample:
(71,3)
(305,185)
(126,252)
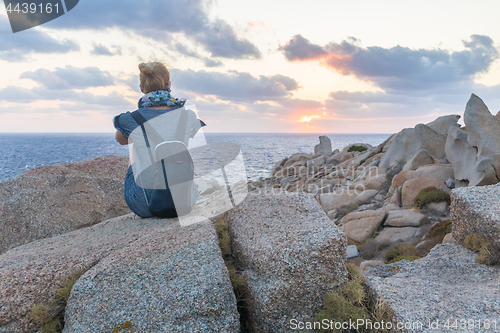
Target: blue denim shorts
(135,196)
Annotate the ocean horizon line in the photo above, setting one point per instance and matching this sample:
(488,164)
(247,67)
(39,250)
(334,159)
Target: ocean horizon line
(317,133)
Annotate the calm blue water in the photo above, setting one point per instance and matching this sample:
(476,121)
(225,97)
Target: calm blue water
(21,152)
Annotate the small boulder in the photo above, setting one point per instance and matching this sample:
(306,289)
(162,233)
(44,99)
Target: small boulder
(398,180)
(404,218)
(422,157)
(367,264)
(359,226)
(352,251)
(425,244)
(332,214)
(411,188)
(448,239)
(450,183)
(437,208)
(316,162)
(438,171)
(390,235)
(390,207)
(376,183)
(396,197)
(364,197)
(338,199)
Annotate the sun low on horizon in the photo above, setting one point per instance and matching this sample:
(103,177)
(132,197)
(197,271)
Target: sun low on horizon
(324,67)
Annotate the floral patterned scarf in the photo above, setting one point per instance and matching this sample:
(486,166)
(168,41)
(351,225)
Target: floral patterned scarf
(160,98)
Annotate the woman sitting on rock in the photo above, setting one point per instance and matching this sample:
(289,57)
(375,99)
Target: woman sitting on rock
(158,108)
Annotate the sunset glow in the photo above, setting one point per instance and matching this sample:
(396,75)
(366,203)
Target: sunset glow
(306,119)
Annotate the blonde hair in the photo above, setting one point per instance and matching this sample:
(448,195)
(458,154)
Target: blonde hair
(154,76)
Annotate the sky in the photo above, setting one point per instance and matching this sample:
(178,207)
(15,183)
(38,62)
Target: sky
(255,66)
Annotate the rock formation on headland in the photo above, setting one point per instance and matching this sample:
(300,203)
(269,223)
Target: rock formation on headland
(288,241)
(360,186)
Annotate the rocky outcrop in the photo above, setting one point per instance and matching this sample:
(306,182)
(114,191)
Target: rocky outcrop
(475,154)
(290,253)
(52,200)
(410,141)
(475,210)
(445,285)
(153,264)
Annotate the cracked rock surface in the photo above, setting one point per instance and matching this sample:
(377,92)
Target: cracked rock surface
(446,284)
(125,250)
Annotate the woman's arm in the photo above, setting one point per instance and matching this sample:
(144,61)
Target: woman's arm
(120,138)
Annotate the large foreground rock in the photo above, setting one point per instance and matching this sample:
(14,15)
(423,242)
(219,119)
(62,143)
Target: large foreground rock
(52,200)
(172,281)
(445,285)
(291,255)
(140,270)
(475,210)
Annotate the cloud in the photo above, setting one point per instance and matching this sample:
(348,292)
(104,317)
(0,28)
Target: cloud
(23,95)
(158,20)
(299,48)
(187,52)
(414,84)
(212,62)
(234,85)
(100,49)
(399,68)
(70,77)
(18,47)
(221,41)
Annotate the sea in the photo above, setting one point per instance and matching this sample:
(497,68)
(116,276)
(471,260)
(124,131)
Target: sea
(24,151)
